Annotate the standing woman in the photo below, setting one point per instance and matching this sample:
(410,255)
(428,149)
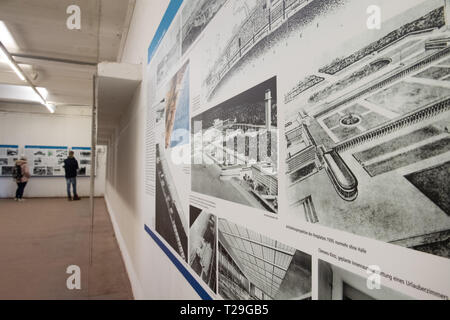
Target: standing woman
(21,175)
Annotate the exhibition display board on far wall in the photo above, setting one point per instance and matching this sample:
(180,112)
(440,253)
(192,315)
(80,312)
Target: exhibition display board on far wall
(83,155)
(8,157)
(46,160)
(301,149)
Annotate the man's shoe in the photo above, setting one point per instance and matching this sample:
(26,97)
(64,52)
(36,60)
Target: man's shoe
(76,198)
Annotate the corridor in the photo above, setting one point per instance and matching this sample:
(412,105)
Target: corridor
(40,238)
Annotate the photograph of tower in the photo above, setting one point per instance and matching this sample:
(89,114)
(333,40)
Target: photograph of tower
(235,149)
(172,183)
(367,132)
(177,109)
(255,267)
(203,245)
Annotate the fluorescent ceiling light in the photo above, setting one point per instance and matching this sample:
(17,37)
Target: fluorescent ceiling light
(5,57)
(50,107)
(21,93)
(8,43)
(6,38)
(43,92)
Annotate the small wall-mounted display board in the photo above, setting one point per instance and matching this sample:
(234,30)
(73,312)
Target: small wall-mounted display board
(46,161)
(8,156)
(83,155)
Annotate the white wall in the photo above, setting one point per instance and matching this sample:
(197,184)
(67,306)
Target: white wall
(152,275)
(20,127)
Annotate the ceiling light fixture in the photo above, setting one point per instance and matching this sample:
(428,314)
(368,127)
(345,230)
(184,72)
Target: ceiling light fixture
(6,57)
(50,107)
(8,41)
(13,64)
(6,37)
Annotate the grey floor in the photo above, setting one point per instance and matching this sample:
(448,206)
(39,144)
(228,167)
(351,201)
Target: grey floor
(40,238)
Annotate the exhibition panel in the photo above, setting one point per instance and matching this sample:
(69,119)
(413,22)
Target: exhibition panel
(9,154)
(297,150)
(83,155)
(46,160)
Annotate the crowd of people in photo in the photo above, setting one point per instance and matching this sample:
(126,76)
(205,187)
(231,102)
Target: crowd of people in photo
(252,113)
(349,80)
(251,30)
(302,86)
(434,19)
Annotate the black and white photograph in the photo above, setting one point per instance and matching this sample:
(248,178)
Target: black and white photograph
(235,149)
(203,245)
(12,152)
(160,110)
(85,154)
(3,161)
(196,15)
(39,153)
(169,52)
(40,171)
(61,153)
(82,171)
(7,171)
(37,161)
(255,267)
(169,211)
(367,131)
(335,283)
(257,30)
(85,162)
(50,171)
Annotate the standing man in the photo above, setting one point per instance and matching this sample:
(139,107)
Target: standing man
(71,168)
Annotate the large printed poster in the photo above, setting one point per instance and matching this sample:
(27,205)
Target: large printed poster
(303,147)
(9,154)
(172,180)
(83,156)
(46,161)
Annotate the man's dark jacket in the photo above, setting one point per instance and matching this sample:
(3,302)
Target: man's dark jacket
(71,167)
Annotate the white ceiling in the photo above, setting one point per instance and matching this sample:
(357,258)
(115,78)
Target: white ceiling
(62,60)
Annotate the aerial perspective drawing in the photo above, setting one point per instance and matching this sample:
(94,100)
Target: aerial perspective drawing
(367,136)
(196,15)
(235,149)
